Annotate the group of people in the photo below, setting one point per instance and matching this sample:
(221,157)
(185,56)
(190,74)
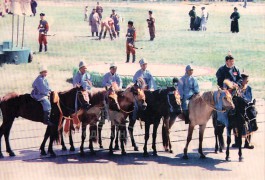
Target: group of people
(199,23)
(7,5)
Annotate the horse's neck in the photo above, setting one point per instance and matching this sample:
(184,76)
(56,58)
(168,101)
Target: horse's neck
(97,98)
(126,99)
(208,97)
(68,100)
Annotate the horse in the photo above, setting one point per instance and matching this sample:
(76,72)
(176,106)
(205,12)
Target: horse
(127,99)
(14,105)
(70,102)
(243,117)
(200,110)
(91,116)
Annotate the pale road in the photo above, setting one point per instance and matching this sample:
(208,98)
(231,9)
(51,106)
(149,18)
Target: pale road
(26,137)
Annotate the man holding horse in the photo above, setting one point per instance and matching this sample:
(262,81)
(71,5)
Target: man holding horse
(41,92)
(82,77)
(187,86)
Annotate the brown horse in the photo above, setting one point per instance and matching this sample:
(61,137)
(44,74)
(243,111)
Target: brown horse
(14,105)
(200,110)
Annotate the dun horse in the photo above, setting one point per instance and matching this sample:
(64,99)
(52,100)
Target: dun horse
(200,110)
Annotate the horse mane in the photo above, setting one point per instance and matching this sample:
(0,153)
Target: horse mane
(9,96)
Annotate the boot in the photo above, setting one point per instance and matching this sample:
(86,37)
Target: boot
(105,33)
(111,37)
(128,58)
(236,145)
(96,33)
(118,34)
(247,143)
(186,115)
(46,118)
(133,58)
(45,48)
(40,48)
(92,34)
(100,34)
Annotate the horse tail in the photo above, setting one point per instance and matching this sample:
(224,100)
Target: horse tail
(164,135)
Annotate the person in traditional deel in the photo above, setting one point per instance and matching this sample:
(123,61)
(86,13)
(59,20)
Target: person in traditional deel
(82,77)
(204,19)
(41,92)
(112,77)
(43,29)
(187,87)
(146,75)
(234,21)
(192,15)
(130,42)
(99,10)
(151,25)
(33,5)
(94,22)
(247,96)
(230,72)
(116,20)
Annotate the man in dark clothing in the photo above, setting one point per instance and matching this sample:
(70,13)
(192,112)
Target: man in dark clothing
(99,10)
(130,46)
(151,25)
(33,5)
(230,72)
(234,21)
(43,29)
(192,15)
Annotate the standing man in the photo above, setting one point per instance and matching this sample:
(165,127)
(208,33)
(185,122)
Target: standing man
(234,21)
(146,75)
(41,92)
(130,42)
(204,19)
(82,77)
(99,10)
(86,13)
(33,5)
(116,20)
(112,77)
(230,72)
(192,15)
(94,21)
(187,87)
(43,29)
(151,25)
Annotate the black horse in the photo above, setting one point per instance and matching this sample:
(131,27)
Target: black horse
(242,117)
(157,107)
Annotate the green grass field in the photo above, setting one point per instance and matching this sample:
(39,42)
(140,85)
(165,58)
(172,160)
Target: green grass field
(174,43)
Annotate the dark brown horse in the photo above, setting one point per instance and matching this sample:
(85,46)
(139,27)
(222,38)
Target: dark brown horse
(14,105)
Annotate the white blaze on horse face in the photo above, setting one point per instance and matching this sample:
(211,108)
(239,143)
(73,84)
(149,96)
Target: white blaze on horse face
(141,94)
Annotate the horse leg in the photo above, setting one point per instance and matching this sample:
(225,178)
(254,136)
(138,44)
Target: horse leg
(156,124)
(1,134)
(72,148)
(116,147)
(130,129)
(240,144)
(52,137)
(62,140)
(171,122)
(146,137)
(216,139)
(221,138)
(92,137)
(100,125)
(46,136)
(228,143)
(83,137)
(201,132)
(112,136)
(189,137)
(6,135)
(123,138)
(165,133)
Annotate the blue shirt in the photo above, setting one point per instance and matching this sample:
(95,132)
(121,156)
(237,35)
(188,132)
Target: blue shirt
(187,86)
(148,78)
(108,78)
(81,79)
(40,88)
(247,94)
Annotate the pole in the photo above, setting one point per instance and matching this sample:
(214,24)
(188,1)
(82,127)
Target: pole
(12,31)
(17,28)
(23,31)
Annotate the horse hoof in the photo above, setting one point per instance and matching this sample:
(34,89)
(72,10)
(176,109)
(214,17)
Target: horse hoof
(72,148)
(202,156)
(170,151)
(136,148)
(64,148)
(116,148)
(166,150)
(227,159)
(155,154)
(124,153)
(241,159)
(146,154)
(220,150)
(216,152)
(1,156)
(100,146)
(11,153)
(185,157)
(43,153)
(110,153)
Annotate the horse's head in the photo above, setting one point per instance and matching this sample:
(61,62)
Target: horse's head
(113,99)
(82,97)
(138,94)
(226,98)
(251,115)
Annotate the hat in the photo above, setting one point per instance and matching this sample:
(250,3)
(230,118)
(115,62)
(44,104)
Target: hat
(113,9)
(244,76)
(203,8)
(112,65)
(42,14)
(150,12)
(235,8)
(82,64)
(130,22)
(43,68)
(189,68)
(193,7)
(142,61)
